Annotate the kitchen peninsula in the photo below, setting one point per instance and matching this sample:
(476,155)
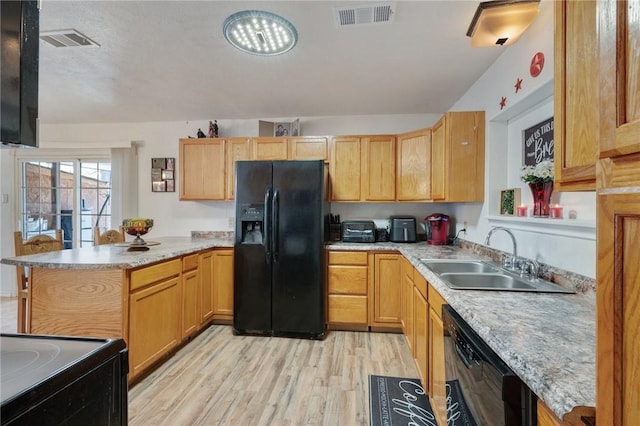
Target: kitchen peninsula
(154,299)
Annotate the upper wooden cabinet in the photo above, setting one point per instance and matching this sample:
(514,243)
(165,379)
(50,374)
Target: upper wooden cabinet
(362,168)
(457,157)
(237,149)
(270,148)
(308,148)
(202,166)
(576,94)
(619,81)
(413,162)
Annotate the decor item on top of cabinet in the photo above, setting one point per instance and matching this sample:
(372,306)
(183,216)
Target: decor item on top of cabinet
(509,199)
(162,174)
(213,128)
(540,180)
(201,134)
(281,129)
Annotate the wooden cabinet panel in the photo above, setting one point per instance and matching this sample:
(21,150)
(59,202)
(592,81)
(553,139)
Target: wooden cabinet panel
(457,157)
(619,77)
(386,292)
(413,179)
(407,291)
(576,91)
(349,310)
(269,148)
(437,378)
(223,284)
(347,279)
(206,286)
(378,168)
(237,149)
(438,190)
(618,307)
(348,258)
(190,303)
(344,168)
(308,148)
(546,417)
(421,332)
(154,323)
(202,165)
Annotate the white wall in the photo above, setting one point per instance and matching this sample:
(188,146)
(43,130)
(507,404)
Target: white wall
(504,127)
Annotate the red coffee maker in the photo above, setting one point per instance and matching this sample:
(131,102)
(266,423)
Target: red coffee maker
(437,227)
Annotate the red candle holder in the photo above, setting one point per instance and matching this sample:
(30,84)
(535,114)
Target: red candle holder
(555,212)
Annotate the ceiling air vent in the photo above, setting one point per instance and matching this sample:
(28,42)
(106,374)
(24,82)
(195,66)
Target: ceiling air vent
(67,38)
(379,13)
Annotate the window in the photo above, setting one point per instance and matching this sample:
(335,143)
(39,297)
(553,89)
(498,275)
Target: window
(70,195)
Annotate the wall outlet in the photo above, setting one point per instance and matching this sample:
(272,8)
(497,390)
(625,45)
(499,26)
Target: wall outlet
(5,198)
(465,225)
(231,222)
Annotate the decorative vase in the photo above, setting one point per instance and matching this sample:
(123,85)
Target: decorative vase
(541,192)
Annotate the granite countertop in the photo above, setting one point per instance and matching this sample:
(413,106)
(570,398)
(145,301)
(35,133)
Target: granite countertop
(111,256)
(548,340)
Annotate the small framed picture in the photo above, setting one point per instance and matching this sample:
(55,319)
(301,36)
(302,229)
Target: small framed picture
(170,185)
(167,174)
(158,163)
(282,129)
(158,186)
(509,201)
(171,164)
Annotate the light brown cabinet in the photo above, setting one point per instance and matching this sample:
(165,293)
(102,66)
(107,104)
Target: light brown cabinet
(385,303)
(575,94)
(205,269)
(269,149)
(407,302)
(618,214)
(222,260)
(362,168)
(421,327)
(413,162)
(308,148)
(155,310)
(457,157)
(190,295)
(237,149)
(202,169)
(437,377)
(347,288)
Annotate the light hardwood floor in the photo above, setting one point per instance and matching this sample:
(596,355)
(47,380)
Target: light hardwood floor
(221,379)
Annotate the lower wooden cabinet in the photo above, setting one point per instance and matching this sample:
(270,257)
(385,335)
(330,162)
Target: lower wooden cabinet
(387,287)
(407,302)
(223,285)
(206,286)
(347,288)
(154,314)
(421,327)
(190,295)
(437,377)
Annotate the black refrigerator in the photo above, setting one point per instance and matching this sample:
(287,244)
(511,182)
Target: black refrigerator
(279,262)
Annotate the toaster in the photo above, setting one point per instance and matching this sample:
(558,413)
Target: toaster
(402,229)
(358,231)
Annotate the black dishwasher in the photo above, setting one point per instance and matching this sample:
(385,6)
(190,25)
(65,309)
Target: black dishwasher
(63,380)
(481,389)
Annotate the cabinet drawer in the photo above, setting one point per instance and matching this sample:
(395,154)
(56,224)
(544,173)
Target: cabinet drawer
(155,273)
(436,301)
(347,279)
(189,262)
(348,309)
(348,258)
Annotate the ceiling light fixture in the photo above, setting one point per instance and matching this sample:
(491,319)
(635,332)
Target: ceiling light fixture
(260,33)
(501,22)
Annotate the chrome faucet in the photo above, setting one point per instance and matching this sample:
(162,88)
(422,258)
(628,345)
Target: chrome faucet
(507,263)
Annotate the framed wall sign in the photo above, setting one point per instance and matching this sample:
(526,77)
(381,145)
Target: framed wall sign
(538,143)
(162,174)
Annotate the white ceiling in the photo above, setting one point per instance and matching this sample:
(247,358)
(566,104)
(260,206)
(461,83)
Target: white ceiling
(168,61)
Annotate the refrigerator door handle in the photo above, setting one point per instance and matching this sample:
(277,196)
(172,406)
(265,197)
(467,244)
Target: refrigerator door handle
(275,221)
(267,223)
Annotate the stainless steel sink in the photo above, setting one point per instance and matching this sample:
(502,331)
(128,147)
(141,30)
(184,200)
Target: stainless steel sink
(485,275)
(459,266)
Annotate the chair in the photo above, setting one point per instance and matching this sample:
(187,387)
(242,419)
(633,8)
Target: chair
(37,244)
(109,236)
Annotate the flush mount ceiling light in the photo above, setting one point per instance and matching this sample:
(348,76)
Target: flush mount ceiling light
(260,33)
(501,22)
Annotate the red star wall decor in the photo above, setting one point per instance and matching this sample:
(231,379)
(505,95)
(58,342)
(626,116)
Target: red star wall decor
(537,64)
(518,85)
(503,102)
